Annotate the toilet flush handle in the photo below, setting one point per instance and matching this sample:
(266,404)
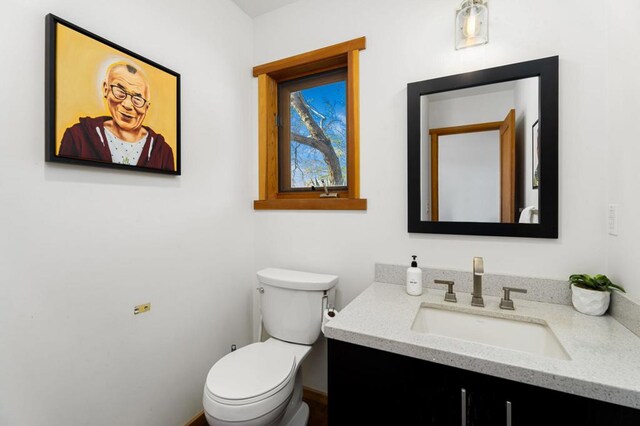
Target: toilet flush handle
(260,290)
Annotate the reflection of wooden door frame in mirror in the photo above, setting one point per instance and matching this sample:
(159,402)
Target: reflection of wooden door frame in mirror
(508,168)
(547,72)
(507,129)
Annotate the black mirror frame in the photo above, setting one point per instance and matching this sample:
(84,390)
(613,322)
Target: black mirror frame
(547,71)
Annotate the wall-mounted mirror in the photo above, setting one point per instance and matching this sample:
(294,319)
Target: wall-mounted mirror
(483,152)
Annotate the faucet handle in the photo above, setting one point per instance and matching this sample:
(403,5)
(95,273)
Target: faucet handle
(506,302)
(478,266)
(449,296)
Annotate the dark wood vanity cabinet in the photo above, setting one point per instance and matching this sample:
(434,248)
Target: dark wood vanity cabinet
(375,387)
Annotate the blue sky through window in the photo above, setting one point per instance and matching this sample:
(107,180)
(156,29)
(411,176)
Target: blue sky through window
(327,107)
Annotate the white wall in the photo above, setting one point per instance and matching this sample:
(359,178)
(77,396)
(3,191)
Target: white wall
(470,109)
(412,40)
(526,105)
(623,142)
(72,352)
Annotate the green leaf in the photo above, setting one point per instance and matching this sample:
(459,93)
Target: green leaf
(617,287)
(597,282)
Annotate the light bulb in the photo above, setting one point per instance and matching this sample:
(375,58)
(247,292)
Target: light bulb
(471,25)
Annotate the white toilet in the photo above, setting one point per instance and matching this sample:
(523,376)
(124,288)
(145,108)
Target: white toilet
(261,383)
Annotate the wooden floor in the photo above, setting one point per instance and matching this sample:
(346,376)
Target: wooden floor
(198,420)
(317,403)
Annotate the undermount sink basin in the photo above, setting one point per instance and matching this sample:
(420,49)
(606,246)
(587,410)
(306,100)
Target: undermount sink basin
(526,335)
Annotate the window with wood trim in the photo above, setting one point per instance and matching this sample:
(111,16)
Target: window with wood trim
(308,129)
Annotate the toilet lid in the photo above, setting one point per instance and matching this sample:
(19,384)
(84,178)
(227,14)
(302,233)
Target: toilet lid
(253,372)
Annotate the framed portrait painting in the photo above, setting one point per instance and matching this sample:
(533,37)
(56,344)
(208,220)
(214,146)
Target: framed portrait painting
(107,106)
(535,155)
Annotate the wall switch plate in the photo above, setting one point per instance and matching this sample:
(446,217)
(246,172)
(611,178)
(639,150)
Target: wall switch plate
(612,218)
(141,308)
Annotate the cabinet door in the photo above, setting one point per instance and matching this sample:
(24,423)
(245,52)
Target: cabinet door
(534,406)
(442,395)
(368,386)
(486,399)
(373,387)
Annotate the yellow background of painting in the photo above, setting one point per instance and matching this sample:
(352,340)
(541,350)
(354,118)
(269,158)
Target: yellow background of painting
(81,63)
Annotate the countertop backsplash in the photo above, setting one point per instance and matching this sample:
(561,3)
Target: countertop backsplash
(626,311)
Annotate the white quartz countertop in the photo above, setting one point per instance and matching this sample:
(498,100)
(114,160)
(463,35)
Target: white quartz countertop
(605,356)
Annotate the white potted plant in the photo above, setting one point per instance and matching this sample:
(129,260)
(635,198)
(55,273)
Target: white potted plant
(591,294)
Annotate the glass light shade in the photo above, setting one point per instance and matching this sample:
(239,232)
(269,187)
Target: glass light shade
(472,24)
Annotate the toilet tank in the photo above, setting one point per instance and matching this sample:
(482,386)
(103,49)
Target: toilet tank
(291,303)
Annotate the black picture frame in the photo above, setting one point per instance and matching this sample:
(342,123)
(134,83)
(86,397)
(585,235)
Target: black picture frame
(52,24)
(535,161)
(547,71)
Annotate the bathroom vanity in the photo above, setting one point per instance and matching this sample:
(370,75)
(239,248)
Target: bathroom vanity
(387,366)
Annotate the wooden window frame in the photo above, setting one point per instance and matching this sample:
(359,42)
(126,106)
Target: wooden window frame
(270,75)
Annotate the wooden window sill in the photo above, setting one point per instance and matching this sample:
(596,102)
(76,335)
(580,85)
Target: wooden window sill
(312,204)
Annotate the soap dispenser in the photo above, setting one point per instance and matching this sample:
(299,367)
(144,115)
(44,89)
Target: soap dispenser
(414,278)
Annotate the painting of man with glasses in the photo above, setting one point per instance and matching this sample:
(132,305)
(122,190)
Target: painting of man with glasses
(107,106)
(120,137)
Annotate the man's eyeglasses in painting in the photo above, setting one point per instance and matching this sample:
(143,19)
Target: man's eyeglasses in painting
(120,94)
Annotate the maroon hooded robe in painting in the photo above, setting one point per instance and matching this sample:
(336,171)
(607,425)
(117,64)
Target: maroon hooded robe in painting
(86,140)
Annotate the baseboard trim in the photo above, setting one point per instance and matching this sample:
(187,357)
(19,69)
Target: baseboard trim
(314,395)
(197,420)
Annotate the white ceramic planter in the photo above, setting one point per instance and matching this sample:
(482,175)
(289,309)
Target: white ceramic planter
(590,302)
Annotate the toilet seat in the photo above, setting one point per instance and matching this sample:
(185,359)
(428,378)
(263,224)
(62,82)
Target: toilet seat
(250,382)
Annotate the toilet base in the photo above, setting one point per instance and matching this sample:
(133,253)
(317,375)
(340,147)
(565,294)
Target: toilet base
(297,413)
(273,418)
(301,417)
